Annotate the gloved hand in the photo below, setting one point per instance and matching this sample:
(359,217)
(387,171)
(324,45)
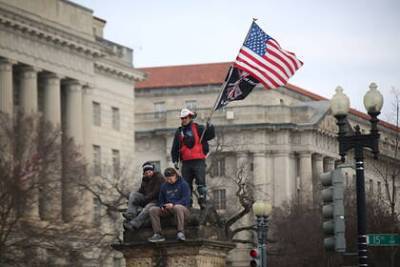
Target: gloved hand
(176,165)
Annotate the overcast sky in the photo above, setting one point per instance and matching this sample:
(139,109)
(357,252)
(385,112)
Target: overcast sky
(341,42)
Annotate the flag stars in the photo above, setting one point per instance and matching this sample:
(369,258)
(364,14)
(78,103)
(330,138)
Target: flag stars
(257,39)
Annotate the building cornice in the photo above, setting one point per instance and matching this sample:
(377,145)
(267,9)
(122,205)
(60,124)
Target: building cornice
(50,34)
(129,74)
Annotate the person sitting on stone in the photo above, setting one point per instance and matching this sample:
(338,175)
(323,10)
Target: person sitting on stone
(140,202)
(174,199)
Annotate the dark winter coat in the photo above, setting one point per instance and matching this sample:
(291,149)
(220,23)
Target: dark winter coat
(188,139)
(150,187)
(177,193)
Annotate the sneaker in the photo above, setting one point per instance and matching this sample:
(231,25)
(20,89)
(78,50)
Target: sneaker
(156,238)
(180,236)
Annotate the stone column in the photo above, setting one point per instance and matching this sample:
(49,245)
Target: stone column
(52,99)
(242,164)
(305,172)
(87,119)
(87,198)
(74,115)
(243,173)
(260,176)
(283,184)
(50,198)
(6,87)
(269,173)
(71,199)
(318,168)
(28,90)
(28,103)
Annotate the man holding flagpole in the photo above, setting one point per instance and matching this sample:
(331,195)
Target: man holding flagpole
(190,146)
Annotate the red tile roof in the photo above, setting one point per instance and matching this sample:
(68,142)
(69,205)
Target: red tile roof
(213,74)
(184,75)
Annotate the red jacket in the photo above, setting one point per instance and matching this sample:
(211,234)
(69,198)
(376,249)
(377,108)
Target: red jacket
(196,152)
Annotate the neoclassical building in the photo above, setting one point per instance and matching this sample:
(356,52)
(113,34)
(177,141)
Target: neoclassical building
(282,139)
(55,62)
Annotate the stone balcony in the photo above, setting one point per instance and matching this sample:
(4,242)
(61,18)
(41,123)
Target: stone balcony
(302,114)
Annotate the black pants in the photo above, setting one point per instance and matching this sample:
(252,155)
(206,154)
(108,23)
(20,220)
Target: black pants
(195,169)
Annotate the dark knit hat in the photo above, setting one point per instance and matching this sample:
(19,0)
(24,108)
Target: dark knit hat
(148,166)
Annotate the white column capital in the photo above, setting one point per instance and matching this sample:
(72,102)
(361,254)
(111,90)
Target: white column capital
(6,64)
(88,89)
(304,154)
(318,157)
(28,72)
(73,85)
(259,154)
(51,76)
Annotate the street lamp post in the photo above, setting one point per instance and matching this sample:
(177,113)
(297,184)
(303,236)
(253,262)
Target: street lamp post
(340,106)
(262,210)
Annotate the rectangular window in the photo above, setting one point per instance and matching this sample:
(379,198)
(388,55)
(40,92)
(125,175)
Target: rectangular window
(96,160)
(116,162)
(371,186)
(96,211)
(96,113)
(379,189)
(115,118)
(219,167)
(157,165)
(159,109)
(191,104)
(219,199)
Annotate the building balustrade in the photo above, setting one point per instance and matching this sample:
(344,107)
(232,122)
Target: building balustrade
(251,114)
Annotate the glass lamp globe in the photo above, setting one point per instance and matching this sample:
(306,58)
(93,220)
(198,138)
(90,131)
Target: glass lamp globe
(340,103)
(373,99)
(262,208)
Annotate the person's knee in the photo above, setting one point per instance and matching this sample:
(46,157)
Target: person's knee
(179,208)
(154,210)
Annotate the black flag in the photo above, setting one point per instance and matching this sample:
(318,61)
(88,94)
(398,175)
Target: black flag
(238,84)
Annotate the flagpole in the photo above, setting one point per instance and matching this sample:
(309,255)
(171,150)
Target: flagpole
(215,104)
(223,86)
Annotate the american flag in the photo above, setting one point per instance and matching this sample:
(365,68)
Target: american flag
(263,58)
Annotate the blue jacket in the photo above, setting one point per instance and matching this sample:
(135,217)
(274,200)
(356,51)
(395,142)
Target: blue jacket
(177,193)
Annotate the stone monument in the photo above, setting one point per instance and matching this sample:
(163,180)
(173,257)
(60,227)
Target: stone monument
(206,244)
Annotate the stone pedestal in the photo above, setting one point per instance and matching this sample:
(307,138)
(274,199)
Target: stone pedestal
(205,244)
(193,253)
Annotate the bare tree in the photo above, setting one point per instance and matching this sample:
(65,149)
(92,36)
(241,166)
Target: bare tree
(297,229)
(36,161)
(243,189)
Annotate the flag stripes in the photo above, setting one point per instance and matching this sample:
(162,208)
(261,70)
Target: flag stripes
(263,58)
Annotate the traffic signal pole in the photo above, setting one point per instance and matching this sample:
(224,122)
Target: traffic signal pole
(361,208)
(358,142)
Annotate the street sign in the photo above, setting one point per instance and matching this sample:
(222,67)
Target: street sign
(384,240)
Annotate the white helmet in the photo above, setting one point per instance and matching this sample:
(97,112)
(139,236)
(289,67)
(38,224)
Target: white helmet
(186,112)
